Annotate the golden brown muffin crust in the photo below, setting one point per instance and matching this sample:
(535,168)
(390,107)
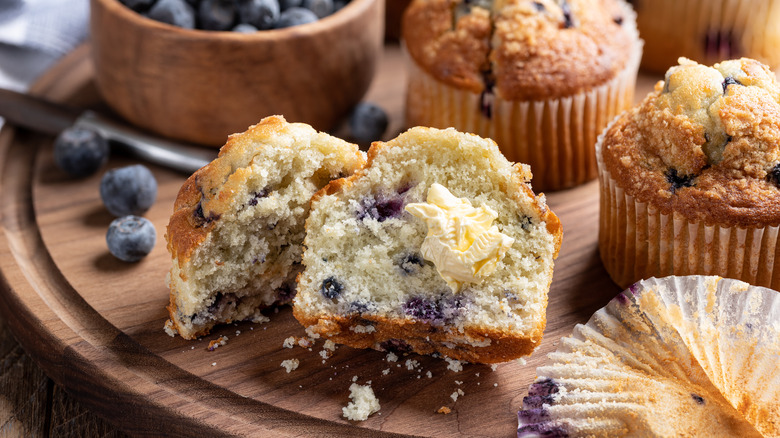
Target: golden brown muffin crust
(529,50)
(704,144)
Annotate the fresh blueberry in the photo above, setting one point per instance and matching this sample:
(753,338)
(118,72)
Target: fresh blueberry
(367,122)
(295,16)
(321,8)
(175,12)
(216,14)
(262,14)
(244,28)
(138,5)
(130,238)
(678,181)
(80,151)
(331,288)
(287,4)
(128,190)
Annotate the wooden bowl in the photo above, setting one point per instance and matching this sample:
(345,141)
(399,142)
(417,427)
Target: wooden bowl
(200,86)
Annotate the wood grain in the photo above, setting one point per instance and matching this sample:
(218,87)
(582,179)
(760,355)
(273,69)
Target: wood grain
(94,324)
(200,86)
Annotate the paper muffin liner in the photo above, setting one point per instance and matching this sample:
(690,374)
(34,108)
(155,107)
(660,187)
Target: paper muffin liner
(638,241)
(554,136)
(708,31)
(675,356)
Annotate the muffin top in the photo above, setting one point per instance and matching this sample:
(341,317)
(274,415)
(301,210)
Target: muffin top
(521,49)
(704,144)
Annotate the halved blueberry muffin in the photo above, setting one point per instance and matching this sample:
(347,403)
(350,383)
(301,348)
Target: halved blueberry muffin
(238,223)
(437,246)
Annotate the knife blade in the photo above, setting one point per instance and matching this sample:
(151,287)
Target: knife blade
(44,116)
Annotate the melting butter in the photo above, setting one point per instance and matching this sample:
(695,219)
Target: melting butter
(462,241)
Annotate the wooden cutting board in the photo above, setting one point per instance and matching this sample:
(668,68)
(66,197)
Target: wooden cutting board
(95,324)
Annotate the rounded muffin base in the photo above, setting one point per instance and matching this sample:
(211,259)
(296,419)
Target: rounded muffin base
(555,136)
(638,241)
(708,31)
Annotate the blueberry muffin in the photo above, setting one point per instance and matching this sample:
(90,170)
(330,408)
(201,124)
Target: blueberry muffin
(670,357)
(708,31)
(690,178)
(437,246)
(541,78)
(238,223)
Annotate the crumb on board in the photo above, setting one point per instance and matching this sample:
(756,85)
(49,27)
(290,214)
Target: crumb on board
(363,404)
(454,365)
(459,392)
(290,364)
(391,357)
(261,319)
(444,410)
(289,342)
(216,343)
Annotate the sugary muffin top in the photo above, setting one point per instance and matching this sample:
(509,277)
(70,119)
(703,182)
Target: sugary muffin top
(523,49)
(705,144)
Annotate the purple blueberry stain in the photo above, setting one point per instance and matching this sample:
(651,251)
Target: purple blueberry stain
(257,196)
(331,288)
(410,264)
(224,304)
(201,219)
(541,431)
(398,346)
(543,387)
(526,223)
(381,207)
(436,311)
(635,289)
(622,299)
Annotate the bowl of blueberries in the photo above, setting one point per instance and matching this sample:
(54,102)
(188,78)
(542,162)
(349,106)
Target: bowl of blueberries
(200,70)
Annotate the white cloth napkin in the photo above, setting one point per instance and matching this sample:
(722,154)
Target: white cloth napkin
(34,34)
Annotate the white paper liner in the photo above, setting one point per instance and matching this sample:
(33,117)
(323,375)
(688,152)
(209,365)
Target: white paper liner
(709,31)
(676,356)
(637,241)
(554,136)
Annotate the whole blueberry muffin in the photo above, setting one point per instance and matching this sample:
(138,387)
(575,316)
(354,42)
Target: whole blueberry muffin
(437,246)
(690,178)
(708,31)
(692,356)
(238,223)
(541,78)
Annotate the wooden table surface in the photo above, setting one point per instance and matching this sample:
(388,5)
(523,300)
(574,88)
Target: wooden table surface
(31,404)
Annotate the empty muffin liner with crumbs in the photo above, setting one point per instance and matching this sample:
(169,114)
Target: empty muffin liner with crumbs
(708,31)
(541,78)
(689,178)
(675,356)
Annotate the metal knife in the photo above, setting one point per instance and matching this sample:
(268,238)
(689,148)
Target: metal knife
(40,115)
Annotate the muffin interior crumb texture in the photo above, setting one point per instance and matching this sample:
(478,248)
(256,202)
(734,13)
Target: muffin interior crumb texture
(365,270)
(363,404)
(247,217)
(705,143)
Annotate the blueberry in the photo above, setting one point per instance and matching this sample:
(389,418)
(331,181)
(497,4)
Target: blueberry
(128,190)
(321,8)
(138,5)
(80,151)
(380,207)
(773,175)
(729,81)
(130,238)
(287,4)
(678,181)
(526,223)
(697,398)
(539,6)
(257,196)
(216,14)
(295,16)
(411,263)
(543,430)
(423,309)
(175,12)
(367,122)
(244,28)
(568,19)
(331,288)
(262,14)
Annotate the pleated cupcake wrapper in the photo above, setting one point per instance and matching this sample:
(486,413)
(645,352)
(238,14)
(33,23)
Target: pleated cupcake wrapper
(668,346)
(638,241)
(709,31)
(554,136)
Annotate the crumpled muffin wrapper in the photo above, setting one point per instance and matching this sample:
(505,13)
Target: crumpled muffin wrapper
(708,31)
(675,356)
(638,241)
(554,136)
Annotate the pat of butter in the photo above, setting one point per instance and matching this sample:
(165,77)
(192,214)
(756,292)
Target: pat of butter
(462,241)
